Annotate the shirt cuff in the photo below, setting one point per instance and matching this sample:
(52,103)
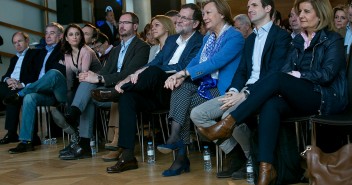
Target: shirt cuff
(233,89)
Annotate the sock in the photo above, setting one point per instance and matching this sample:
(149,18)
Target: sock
(25,142)
(20,93)
(127,154)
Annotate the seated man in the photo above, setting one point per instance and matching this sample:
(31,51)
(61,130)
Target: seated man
(48,63)
(264,52)
(103,47)
(144,91)
(18,75)
(131,54)
(90,34)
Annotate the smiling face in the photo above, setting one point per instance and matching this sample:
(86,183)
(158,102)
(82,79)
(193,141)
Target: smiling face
(340,19)
(258,14)
(185,23)
(213,20)
(308,17)
(73,37)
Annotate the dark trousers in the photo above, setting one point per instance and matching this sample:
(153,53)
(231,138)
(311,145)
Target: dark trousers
(274,97)
(147,94)
(12,111)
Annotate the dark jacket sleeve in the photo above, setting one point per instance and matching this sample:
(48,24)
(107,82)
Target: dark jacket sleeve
(136,57)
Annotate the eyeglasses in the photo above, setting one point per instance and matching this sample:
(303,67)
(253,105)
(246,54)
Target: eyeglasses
(97,46)
(125,22)
(183,18)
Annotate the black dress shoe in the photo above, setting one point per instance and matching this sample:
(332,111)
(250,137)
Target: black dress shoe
(235,160)
(74,153)
(22,147)
(123,165)
(8,139)
(12,99)
(240,174)
(36,141)
(105,95)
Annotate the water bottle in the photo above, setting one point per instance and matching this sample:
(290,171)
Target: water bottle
(150,153)
(93,148)
(250,174)
(207,159)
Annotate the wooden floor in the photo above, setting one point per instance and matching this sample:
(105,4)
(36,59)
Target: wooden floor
(43,167)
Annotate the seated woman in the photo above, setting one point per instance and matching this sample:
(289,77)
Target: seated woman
(316,68)
(160,30)
(208,75)
(78,58)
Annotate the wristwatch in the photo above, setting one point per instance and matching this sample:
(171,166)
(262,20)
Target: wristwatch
(100,78)
(246,93)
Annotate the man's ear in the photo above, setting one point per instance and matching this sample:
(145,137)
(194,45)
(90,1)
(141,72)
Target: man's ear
(267,8)
(195,24)
(135,27)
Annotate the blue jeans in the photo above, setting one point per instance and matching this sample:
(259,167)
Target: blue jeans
(46,91)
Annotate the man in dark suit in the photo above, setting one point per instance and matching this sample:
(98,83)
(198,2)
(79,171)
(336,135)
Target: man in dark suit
(131,54)
(144,90)
(264,52)
(49,59)
(18,75)
(109,28)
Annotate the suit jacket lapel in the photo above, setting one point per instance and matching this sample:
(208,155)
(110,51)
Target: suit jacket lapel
(271,34)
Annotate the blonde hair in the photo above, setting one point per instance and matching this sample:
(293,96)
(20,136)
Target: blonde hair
(166,22)
(323,10)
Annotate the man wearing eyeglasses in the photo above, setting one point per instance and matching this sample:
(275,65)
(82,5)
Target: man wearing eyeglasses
(124,59)
(144,90)
(102,47)
(17,76)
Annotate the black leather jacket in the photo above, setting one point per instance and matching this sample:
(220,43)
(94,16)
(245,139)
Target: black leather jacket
(327,69)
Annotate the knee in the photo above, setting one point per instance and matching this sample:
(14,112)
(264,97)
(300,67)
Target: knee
(197,115)
(29,99)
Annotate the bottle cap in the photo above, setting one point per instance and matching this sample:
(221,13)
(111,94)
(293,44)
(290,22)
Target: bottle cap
(149,143)
(205,147)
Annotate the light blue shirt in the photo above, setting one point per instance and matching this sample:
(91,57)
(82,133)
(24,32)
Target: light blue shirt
(17,70)
(50,50)
(348,37)
(259,43)
(124,47)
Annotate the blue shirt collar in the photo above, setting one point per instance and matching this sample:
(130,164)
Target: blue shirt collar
(266,27)
(50,48)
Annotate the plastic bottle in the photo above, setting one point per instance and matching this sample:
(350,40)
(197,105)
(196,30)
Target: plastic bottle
(150,153)
(93,147)
(250,173)
(207,159)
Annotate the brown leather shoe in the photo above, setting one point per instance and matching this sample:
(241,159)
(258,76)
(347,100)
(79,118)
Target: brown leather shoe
(112,155)
(221,130)
(105,95)
(267,174)
(123,165)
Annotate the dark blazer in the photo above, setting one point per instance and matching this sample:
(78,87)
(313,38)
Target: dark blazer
(26,75)
(274,56)
(163,58)
(52,62)
(136,56)
(107,31)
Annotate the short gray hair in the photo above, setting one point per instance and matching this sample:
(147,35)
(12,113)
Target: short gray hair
(243,18)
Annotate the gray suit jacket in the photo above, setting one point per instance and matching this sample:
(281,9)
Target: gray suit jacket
(136,56)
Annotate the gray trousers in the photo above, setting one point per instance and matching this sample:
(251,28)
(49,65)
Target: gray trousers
(86,104)
(204,115)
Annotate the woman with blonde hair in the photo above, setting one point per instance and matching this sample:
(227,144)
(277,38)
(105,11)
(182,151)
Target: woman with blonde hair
(161,27)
